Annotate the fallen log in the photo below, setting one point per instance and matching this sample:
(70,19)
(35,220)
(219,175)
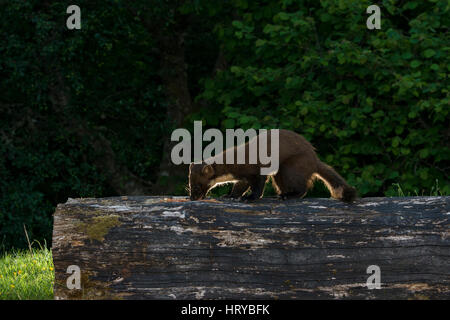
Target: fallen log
(172,248)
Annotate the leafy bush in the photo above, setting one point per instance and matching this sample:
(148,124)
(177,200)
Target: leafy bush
(112,88)
(375,103)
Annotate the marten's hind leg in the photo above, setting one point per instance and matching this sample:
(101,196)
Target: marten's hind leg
(286,191)
(293,178)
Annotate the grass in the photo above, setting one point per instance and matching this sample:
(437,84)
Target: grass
(29,275)
(435,191)
(26,275)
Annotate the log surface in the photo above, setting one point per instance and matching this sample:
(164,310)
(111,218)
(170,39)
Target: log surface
(171,248)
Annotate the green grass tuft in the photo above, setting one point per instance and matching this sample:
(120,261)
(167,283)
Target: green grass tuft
(26,275)
(435,191)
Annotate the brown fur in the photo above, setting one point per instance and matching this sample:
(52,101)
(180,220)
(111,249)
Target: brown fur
(299,166)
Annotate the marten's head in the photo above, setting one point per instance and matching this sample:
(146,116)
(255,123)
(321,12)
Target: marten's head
(200,180)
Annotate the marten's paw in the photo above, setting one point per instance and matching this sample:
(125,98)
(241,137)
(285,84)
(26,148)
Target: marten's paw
(247,198)
(229,197)
(349,194)
(288,195)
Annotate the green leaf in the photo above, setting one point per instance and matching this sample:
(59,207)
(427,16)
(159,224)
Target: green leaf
(429,53)
(423,153)
(228,123)
(260,42)
(406,151)
(237,24)
(424,175)
(234,115)
(415,63)
(283,16)
(324,17)
(407,55)
(411,5)
(395,142)
(235,69)
(245,119)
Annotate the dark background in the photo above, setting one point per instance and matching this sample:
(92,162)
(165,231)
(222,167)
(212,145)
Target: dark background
(89,113)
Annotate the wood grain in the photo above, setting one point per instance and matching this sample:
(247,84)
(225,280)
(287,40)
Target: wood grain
(171,248)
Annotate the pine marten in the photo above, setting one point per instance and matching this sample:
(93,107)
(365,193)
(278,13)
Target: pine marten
(299,167)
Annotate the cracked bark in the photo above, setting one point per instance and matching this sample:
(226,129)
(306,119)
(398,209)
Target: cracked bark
(165,248)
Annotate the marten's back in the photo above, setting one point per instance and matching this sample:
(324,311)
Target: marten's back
(291,143)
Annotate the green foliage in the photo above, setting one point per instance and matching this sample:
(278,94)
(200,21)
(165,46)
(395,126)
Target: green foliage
(113,88)
(375,103)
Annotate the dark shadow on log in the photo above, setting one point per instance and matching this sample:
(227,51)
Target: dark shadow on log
(166,248)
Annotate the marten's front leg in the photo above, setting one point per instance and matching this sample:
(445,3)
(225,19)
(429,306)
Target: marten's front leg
(257,184)
(239,188)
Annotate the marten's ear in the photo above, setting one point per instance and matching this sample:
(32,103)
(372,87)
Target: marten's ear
(208,170)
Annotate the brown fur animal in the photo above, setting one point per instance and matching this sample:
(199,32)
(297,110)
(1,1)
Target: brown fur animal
(299,167)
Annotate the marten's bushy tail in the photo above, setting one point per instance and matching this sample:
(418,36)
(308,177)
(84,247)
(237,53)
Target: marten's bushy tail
(339,189)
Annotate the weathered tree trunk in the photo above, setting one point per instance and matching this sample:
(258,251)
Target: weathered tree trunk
(171,248)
